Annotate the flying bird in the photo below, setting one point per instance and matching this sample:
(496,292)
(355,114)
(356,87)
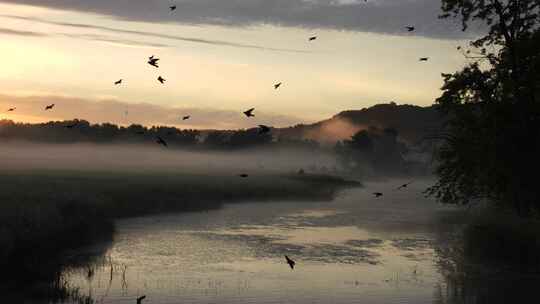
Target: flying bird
(423,58)
(290,262)
(243,175)
(161,79)
(160,141)
(49,107)
(11,109)
(404,186)
(277,85)
(249,113)
(312,38)
(377,194)
(139,299)
(410,28)
(172,7)
(263,129)
(186,117)
(153,61)
(118,82)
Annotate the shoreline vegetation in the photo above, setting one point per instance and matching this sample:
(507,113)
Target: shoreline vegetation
(45,213)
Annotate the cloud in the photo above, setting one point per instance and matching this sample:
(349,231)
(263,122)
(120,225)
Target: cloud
(93,37)
(381,16)
(121,41)
(141,113)
(6,31)
(153,35)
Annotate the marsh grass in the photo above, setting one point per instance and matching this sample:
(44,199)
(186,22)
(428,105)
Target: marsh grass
(44,213)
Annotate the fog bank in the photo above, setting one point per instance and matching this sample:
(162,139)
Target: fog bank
(155,158)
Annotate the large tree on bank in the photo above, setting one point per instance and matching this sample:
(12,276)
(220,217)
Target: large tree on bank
(490,146)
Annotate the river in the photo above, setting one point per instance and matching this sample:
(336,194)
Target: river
(354,249)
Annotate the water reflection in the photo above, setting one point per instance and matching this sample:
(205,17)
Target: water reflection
(469,282)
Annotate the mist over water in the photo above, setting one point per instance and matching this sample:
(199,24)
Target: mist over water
(349,248)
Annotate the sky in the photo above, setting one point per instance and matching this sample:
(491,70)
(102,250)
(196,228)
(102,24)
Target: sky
(219,58)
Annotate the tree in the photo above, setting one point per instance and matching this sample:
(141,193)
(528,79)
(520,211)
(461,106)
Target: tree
(372,148)
(491,143)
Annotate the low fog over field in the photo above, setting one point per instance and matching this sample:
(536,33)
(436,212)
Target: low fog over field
(29,156)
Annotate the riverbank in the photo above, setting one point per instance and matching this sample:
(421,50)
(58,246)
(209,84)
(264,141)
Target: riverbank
(46,212)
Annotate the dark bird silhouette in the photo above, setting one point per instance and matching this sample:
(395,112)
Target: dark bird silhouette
(249,113)
(139,299)
(186,117)
(290,262)
(153,61)
(410,28)
(49,107)
(118,82)
(243,175)
(404,186)
(377,194)
(161,79)
(172,7)
(160,141)
(71,126)
(11,109)
(312,38)
(263,129)
(423,58)
(277,85)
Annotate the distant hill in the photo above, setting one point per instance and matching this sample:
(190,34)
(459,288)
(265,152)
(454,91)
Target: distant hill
(411,122)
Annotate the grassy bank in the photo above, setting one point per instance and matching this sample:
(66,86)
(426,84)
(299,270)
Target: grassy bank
(44,213)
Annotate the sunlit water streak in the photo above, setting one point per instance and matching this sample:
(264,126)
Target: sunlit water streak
(356,249)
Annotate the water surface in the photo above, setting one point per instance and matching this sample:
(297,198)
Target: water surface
(354,249)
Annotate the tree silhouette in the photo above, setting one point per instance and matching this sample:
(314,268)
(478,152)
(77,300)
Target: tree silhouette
(372,149)
(491,142)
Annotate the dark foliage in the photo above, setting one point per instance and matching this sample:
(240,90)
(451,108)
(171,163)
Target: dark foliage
(490,146)
(372,148)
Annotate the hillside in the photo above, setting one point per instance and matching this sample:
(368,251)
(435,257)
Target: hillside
(411,122)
